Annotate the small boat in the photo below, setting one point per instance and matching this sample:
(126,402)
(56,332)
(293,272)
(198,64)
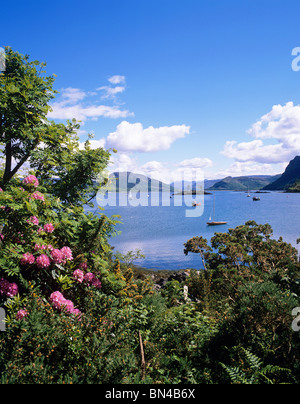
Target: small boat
(194,204)
(130,196)
(256,198)
(214,222)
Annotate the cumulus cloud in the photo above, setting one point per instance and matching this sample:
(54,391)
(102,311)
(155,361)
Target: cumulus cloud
(276,134)
(122,162)
(132,137)
(72,103)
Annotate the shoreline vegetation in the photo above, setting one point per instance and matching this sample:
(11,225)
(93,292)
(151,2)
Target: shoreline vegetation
(75,312)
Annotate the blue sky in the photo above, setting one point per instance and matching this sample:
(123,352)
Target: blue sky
(171,84)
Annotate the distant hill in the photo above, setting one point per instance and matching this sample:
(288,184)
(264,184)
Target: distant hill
(244,183)
(125,181)
(192,186)
(288,178)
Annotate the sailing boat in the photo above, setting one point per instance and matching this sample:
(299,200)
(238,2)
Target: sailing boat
(214,222)
(130,196)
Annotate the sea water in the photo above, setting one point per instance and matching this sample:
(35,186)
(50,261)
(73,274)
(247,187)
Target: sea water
(161,231)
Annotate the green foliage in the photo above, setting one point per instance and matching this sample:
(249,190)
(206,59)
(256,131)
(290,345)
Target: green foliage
(253,371)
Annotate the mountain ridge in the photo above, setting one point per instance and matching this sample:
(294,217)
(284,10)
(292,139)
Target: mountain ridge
(290,176)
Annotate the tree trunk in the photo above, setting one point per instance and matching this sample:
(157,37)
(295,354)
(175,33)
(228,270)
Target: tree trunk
(8,161)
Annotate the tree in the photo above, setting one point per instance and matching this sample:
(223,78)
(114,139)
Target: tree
(50,149)
(24,97)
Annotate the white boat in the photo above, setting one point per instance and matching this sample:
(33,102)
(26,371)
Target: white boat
(213,222)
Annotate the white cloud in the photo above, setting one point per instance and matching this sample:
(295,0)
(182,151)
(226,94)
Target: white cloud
(111,92)
(116,79)
(70,105)
(239,169)
(133,137)
(276,134)
(197,162)
(73,103)
(121,162)
(72,95)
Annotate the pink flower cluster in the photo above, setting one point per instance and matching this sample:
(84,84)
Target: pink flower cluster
(57,256)
(31,180)
(27,259)
(67,253)
(21,314)
(49,228)
(34,220)
(59,302)
(37,195)
(43,261)
(78,275)
(8,289)
(89,278)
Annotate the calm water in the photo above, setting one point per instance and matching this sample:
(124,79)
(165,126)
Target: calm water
(161,231)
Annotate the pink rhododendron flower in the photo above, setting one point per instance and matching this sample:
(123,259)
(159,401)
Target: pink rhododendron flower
(31,180)
(21,314)
(57,256)
(1,190)
(33,220)
(8,289)
(67,253)
(49,228)
(78,275)
(59,302)
(92,280)
(27,258)
(37,195)
(43,261)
